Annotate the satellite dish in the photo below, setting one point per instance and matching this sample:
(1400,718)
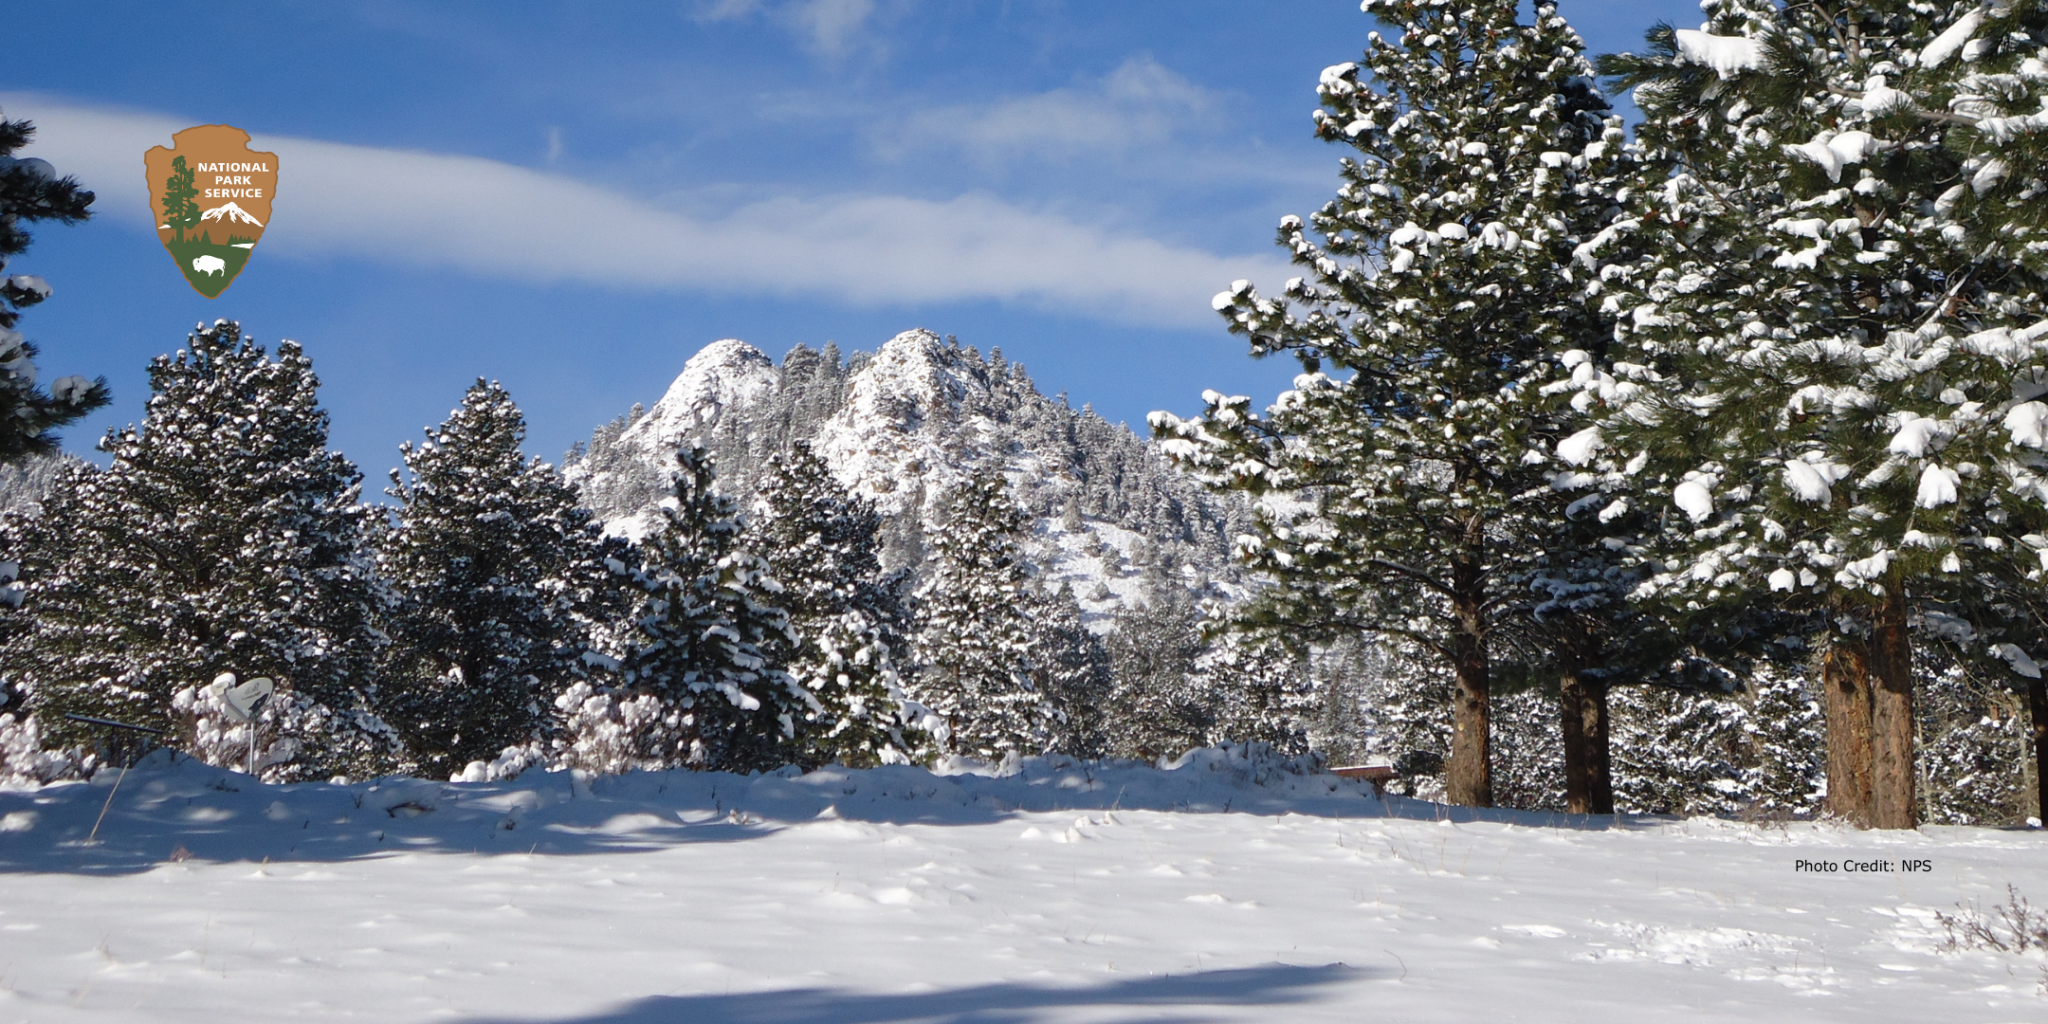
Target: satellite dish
(244,702)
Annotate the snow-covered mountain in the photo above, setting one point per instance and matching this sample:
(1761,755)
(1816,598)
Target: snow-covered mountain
(229,213)
(903,425)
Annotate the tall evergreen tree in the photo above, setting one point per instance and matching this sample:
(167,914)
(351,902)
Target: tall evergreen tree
(1398,484)
(31,191)
(975,645)
(849,627)
(1159,706)
(1830,350)
(1072,668)
(704,617)
(1262,691)
(492,567)
(223,537)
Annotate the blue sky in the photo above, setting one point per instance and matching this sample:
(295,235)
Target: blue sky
(573,197)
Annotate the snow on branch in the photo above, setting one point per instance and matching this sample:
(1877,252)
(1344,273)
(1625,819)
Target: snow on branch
(1727,55)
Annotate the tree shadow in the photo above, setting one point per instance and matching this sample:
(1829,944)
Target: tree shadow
(1170,998)
(174,808)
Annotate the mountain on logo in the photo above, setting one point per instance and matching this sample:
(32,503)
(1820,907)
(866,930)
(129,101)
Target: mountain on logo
(210,246)
(231,214)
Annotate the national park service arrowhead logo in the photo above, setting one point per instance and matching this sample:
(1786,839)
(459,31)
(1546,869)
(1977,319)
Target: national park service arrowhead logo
(210,194)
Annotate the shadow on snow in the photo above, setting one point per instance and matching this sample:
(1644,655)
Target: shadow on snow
(1007,1003)
(174,808)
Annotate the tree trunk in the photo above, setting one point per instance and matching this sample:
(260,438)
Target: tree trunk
(2037,704)
(1468,778)
(1845,680)
(1892,801)
(1588,782)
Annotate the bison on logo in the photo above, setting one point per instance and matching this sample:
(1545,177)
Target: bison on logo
(210,195)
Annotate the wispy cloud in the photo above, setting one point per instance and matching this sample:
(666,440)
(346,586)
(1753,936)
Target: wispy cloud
(1140,105)
(412,209)
(830,27)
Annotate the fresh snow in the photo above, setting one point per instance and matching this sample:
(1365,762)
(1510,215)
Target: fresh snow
(1694,499)
(1915,435)
(1836,151)
(1808,483)
(1578,448)
(1727,55)
(1229,889)
(2028,423)
(1937,487)
(1951,39)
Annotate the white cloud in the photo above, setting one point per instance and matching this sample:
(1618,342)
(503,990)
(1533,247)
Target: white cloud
(412,209)
(824,26)
(830,24)
(1139,105)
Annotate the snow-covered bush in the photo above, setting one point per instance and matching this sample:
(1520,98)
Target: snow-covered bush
(25,762)
(610,732)
(296,737)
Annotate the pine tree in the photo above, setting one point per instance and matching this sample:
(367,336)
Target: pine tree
(1261,691)
(703,617)
(1759,751)
(1826,347)
(976,647)
(1529,770)
(223,538)
(1972,728)
(30,191)
(1442,297)
(1072,669)
(1159,706)
(491,565)
(1407,699)
(848,623)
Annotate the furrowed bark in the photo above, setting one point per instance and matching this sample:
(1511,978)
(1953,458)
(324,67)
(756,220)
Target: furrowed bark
(1588,779)
(1892,798)
(1845,680)
(1468,777)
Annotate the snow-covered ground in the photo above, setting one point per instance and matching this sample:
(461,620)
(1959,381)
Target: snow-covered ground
(1225,890)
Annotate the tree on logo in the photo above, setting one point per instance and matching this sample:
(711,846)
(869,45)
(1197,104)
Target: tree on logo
(180,212)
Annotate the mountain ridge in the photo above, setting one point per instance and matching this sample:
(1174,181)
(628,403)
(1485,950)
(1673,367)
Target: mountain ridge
(904,424)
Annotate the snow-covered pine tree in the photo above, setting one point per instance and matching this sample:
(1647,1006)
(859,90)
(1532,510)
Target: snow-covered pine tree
(848,622)
(703,615)
(1440,299)
(490,564)
(1972,725)
(30,191)
(1784,770)
(1072,669)
(223,537)
(1259,690)
(1828,353)
(1407,698)
(1756,752)
(976,645)
(1529,770)
(1158,705)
